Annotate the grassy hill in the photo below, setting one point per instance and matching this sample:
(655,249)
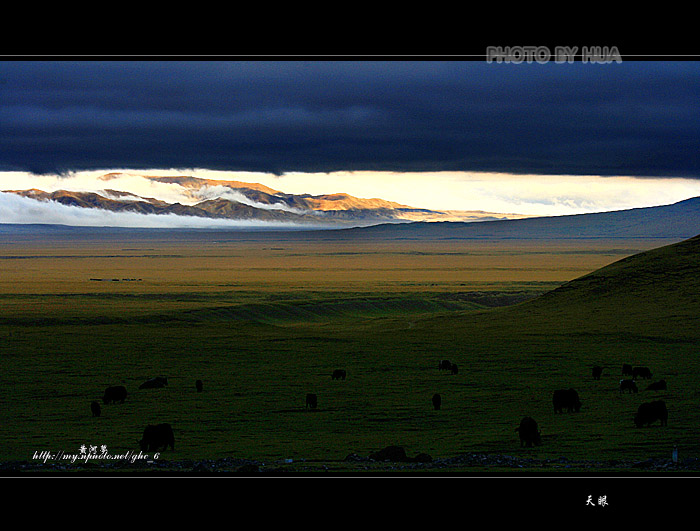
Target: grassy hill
(654,293)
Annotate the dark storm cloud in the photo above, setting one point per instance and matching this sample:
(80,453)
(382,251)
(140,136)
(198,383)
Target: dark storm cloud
(634,118)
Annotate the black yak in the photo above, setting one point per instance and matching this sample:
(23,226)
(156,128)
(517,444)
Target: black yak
(338,374)
(157,436)
(398,454)
(628,385)
(437,401)
(657,386)
(642,372)
(529,433)
(390,453)
(311,401)
(454,369)
(650,412)
(199,385)
(154,383)
(597,371)
(95,408)
(626,369)
(114,394)
(566,399)
(445,365)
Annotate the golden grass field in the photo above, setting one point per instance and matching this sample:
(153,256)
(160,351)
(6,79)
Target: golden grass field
(66,267)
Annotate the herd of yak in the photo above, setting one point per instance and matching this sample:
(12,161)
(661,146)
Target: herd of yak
(568,399)
(154,436)
(160,436)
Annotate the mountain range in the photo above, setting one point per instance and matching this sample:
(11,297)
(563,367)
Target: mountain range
(238,200)
(354,217)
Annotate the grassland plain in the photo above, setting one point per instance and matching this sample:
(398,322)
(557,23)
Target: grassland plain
(262,323)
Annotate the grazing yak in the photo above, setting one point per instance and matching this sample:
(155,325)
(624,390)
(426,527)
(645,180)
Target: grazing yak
(445,365)
(628,385)
(437,401)
(657,386)
(157,436)
(311,401)
(626,369)
(338,374)
(597,371)
(454,369)
(95,408)
(529,434)
(154,383)
(114,394)
(650,412)
(642,372)
(398,454)
(566,399)
(390,453)
(199,385)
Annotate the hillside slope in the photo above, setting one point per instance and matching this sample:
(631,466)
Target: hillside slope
(681,220)
(645,307)
(656,292)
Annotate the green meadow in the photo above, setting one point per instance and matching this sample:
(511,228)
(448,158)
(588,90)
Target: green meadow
(262,324)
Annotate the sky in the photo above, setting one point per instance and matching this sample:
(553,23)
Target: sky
(462,135)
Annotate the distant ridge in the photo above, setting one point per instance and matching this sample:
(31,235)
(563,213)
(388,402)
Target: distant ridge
(679,220)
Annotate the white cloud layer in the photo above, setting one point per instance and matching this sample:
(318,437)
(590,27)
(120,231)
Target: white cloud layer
(17,209)
(223,192)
